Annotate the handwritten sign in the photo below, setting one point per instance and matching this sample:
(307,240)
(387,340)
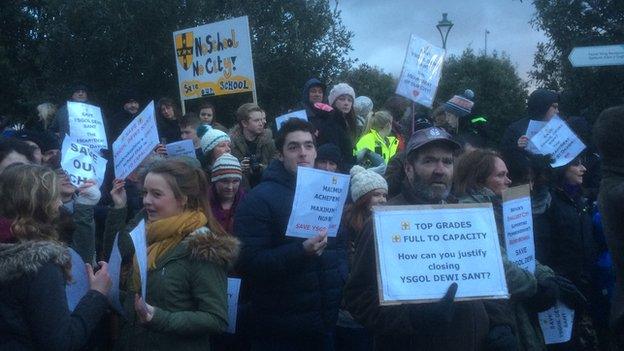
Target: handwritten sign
(559,141)
(301,114)
(233,290)
(181,148)
(518,223)
(79,286)
(421,250)
(532,129)
(214,59)
(114,270)
(556,323)
(81,163)
(136,142)
(318,203)
(421,71)
(86,125)
(140,250)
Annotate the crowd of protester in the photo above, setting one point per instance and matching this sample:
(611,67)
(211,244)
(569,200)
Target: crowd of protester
(225,212)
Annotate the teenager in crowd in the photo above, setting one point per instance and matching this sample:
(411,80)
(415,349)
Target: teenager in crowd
(225,192)
(207,115)
(167,115)
(214,143)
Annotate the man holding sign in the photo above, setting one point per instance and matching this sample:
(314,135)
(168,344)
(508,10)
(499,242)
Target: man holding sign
(294,284)
(443,324)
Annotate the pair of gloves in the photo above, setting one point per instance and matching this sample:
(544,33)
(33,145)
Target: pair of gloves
(556,288)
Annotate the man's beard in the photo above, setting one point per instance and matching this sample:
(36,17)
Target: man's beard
(433,194)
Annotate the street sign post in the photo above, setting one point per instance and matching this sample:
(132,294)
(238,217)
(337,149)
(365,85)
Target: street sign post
(591,56)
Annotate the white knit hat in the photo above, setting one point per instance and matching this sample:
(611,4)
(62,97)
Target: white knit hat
(226,166)
(340,89)
(364,181)
(211,138)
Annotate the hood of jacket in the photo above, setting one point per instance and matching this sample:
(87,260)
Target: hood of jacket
(312,82)
(276,172)
(204,245)
(27,257)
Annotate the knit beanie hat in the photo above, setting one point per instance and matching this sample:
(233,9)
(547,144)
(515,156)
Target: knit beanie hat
(363,105)
(210,137)
(329,152)
(461,105)
(364,181)
(340,89)
(226,166)
(540,101)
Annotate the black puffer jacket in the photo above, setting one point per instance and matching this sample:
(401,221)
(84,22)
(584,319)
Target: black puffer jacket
(291,293)
(332,128)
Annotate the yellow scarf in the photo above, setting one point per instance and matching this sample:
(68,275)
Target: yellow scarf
(165,234)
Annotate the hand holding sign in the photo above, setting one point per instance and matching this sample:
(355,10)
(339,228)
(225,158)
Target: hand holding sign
(316,244)
(144,311)
(99,281)
(118,193)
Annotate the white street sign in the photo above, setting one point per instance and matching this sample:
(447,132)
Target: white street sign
(606,55)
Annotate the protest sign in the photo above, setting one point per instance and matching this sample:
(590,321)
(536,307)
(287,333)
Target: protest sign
(318,203)
(114,270)
(214,59)
(518,223)
(421,71)
(79,286)
(181,148)
(556,323)
(233,289)
(559,141)
(140,250)
(136,142)
(81,163)
(532,129)
(301,114)
(86,125)
(421,250)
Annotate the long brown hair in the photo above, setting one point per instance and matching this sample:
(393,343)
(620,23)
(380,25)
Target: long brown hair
(357,213)
(190,182)
(31,199)
(473,169)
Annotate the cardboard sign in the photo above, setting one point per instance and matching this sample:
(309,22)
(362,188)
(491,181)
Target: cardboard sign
(421,71)
(79,286)
(181,148)
(136,142)
(214,59)
(559,141)
(140,250)
(81,163)
(233,290)
(86,125)
(318,203)
(518,223)
(556,323)
(422,250)
(301,114)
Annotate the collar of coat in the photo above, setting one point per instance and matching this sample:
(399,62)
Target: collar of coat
(28,256)
(236,135)
(220,249)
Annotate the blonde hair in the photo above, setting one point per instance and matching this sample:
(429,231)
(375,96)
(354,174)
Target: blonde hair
(379,120)
(30,196)
(46,112)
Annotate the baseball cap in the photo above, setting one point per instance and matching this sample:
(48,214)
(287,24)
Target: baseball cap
(426,136)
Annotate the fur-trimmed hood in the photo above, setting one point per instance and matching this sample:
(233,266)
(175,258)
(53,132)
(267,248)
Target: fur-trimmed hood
(204,245)
(27,257)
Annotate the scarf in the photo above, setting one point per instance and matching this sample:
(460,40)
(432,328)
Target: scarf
(165,234)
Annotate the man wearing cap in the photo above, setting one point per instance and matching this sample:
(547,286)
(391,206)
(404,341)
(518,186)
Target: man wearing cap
(226,193)
(441,325)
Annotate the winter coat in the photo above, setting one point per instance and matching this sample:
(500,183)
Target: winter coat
(33,306)
(116,125)
(311,112)
(513,133)
(168,130)
(520,283)
(225,218)
(611,203)
(265,151)
(332,128)
(410,326)
(291,293)
(386,147)
(188,289)
(395,174)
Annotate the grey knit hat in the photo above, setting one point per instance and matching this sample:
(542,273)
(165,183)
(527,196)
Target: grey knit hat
(364,181)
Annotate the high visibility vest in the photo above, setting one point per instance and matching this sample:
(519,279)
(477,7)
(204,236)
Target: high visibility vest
(373,141)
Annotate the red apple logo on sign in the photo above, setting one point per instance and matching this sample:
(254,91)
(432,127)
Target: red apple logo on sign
(415,93)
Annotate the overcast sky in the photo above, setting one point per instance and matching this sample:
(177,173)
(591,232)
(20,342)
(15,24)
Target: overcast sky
(382,28)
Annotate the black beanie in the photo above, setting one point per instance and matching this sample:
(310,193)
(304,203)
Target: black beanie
(540,101)
(329,152)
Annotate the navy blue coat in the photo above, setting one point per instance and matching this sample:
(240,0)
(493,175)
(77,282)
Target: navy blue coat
(290,292)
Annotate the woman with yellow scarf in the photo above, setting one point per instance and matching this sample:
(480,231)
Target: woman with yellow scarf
(188,256)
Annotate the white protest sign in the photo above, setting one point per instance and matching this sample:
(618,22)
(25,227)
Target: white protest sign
(421,71)
(86,125)
(422,250)
(136,142)
(532,129)
(140,250)
(114,270)
(559,141)
(181,148)
(233,290)
(301,114)
(214,59)
(81,163)
(518,223)
(318,203)
(556,323)
(79,286)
